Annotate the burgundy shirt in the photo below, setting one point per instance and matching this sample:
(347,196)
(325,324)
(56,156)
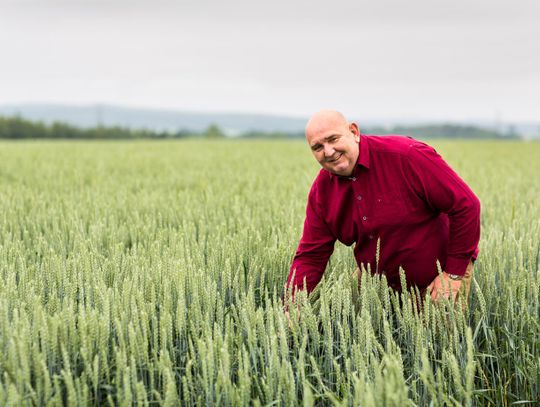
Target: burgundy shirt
(401,192)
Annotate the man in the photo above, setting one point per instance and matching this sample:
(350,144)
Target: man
(388,191)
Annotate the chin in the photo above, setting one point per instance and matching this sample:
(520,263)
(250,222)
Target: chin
(344,172)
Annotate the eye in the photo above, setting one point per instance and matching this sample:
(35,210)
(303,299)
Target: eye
(316,147)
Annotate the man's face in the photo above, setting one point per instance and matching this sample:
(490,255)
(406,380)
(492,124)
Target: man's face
(335,147)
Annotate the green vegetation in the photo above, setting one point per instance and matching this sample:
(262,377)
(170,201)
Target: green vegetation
(446,131)
(19,128)
(422,132)
(150,273)
(213,132)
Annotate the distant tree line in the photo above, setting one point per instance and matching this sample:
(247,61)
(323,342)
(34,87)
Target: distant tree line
(445,131)
(420,131)
(254,134)
(15,127)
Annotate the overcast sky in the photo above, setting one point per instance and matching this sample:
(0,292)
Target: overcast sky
(415,59)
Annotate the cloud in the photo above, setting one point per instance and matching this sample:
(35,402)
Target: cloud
(271,56)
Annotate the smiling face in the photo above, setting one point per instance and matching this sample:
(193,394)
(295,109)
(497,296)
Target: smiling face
(333,142)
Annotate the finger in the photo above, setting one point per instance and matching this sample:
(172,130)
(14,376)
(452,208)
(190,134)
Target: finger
(434,295)
(454,289)
(431,289)
(434,289)
(455,294)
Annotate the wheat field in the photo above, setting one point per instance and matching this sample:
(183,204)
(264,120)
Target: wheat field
(150,273)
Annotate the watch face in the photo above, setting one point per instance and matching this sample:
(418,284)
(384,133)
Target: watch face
(454,277)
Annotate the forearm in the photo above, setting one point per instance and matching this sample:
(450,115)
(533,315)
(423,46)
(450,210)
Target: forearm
(314,250)
(464,235)
(306,272)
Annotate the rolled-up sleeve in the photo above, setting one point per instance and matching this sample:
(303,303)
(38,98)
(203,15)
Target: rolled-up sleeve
(443,190)
(314,250)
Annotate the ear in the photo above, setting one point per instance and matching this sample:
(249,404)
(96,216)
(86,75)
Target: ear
(353,127)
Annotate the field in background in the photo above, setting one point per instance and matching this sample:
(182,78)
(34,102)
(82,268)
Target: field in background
(150,273)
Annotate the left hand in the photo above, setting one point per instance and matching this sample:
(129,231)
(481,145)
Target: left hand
(444,287)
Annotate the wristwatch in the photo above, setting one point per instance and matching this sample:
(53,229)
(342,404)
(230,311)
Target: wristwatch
(454,277)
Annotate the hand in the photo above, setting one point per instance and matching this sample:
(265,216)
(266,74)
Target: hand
(444,287)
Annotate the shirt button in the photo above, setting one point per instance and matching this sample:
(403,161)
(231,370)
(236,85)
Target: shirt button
(370,236)
(364,217)
(359,197)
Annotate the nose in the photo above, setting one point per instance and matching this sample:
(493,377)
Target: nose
(328,150)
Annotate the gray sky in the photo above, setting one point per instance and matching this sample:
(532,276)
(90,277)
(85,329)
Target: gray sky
(416,59)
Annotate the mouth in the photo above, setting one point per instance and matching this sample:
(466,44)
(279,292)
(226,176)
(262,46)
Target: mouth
(334,159)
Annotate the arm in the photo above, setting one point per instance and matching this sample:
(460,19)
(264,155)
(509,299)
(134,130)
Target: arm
(443,190)
(315,248)
(444,287)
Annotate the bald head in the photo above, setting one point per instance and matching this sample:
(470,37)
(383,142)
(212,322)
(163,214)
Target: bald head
(324,120)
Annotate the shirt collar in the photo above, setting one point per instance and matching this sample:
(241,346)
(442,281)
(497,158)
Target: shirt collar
(363,159)
(363,154)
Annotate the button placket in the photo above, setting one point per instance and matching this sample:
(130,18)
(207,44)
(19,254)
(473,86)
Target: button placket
(360,200)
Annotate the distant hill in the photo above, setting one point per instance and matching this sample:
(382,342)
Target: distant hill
(231,123)
(158,120)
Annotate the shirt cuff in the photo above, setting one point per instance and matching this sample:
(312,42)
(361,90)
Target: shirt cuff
(456,266)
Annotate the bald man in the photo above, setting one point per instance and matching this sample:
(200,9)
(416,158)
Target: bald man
(388,191)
